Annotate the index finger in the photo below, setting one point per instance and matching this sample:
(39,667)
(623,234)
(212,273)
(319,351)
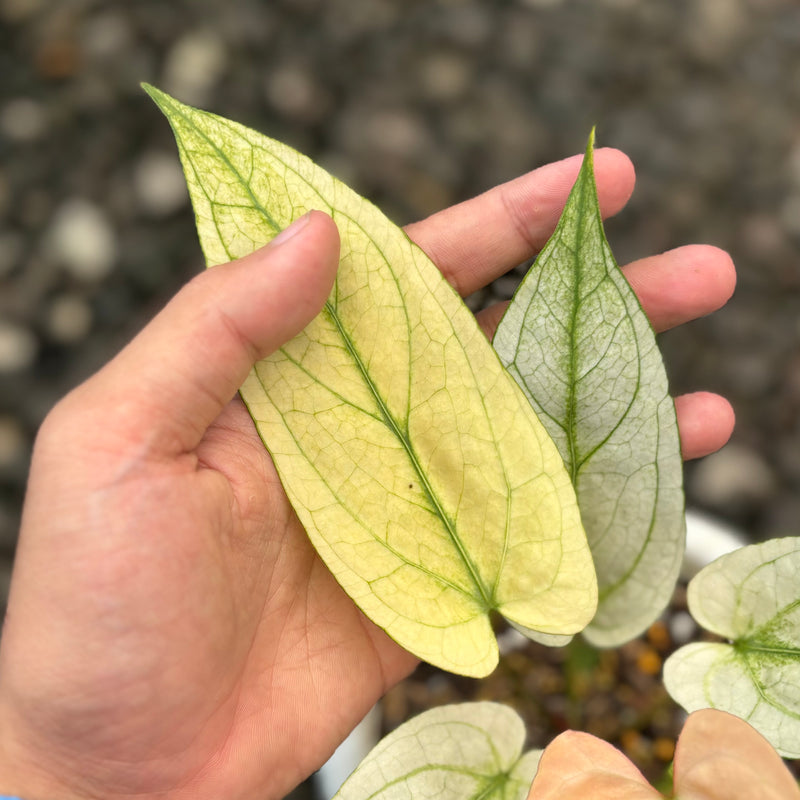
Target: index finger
(480,239)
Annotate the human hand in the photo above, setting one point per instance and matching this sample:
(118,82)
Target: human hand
(478,240)
(171,633)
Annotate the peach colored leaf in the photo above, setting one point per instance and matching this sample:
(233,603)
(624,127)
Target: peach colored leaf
(579,766)
(721,757)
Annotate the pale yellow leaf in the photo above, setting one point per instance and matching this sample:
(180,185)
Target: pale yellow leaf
(418,468)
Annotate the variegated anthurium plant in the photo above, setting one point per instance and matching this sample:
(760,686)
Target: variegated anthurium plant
(445,480)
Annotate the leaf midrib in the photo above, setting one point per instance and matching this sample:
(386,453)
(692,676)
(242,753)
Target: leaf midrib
(270,220)
(758,640)
(492,782)
(761,688)
(402,436)
(746,646)
(570,426)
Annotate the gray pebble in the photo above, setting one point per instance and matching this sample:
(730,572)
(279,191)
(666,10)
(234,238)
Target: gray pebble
(18,348)
(16,11)
(293,91)
(12,246)
(14,444)
(734,477)
(445,76)
(82,240)
(23,119)
(107,35)
(682,628)
(194,65)
(158,184)
(69,319)
(5,194)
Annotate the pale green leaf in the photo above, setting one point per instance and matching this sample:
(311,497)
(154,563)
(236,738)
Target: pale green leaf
(458,752)
(577,341)
(752,598)
(424,479)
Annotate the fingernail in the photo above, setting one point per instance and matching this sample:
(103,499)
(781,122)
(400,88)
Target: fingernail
(292,230)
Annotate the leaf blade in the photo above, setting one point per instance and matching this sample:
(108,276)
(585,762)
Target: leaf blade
(597,382)
(750,597)
(438,437)
(467,750)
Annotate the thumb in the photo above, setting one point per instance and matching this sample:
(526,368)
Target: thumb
(170,383)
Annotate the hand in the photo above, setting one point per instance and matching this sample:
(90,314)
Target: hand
(478,240)
(171,633)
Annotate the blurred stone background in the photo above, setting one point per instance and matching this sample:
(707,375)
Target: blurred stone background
(417,104)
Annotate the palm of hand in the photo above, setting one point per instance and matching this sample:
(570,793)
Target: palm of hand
(214,626)
(295,653)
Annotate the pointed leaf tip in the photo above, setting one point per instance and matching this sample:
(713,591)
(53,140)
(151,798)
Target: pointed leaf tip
(152,91)
(419,470)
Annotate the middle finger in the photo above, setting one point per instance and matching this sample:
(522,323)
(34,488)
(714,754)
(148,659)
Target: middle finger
(674,287)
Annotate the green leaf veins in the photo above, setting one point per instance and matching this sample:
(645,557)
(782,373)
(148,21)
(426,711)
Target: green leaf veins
(579,344)
(423,477)
(470,751)
(750,597)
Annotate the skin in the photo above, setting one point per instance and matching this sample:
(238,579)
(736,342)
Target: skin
(171,633)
